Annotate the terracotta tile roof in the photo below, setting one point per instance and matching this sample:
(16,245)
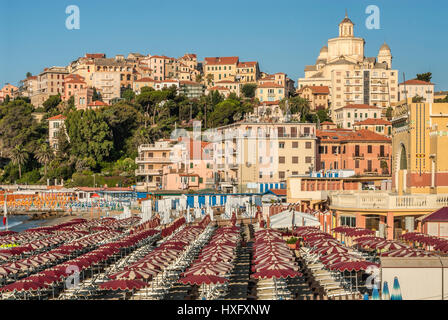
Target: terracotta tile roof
(278,192)
(218,88)
(190,82)
(226,81)
(95,55)
(269,85)
(221,60)
(317,89)
(359,106)
(247,64)
(97,103)
(349,136)
(416,82)
(58,117)
(371,121)
(145,80)
(270,103)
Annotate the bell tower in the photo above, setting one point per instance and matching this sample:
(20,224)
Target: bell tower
(346,27)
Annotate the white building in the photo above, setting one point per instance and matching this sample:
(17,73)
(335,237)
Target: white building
(414,87)
(347,116)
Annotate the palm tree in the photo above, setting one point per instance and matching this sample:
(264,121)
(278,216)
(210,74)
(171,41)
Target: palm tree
(44,155)
(19,156)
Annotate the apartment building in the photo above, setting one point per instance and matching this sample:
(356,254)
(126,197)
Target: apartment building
(151,160)
(416,88)
(247,72)
(278,78)
(232,86)
(50,82)
(270,91)
(380,126)
(8,90)
(108,84)
(219,69)
(318,96)
(366,152)
(347,116)
(55,124)
(191,89)
(352,77)
(30,87)
(249,153)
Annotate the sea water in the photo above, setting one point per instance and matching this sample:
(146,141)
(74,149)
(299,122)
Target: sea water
(20,223)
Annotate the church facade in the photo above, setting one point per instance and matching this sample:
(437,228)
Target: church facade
(352,77)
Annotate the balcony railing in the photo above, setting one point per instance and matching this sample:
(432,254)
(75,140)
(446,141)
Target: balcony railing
(358,156)
(383,156)
(152,160)
(148,172)
(387,201)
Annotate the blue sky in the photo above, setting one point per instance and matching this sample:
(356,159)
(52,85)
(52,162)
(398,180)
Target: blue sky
(282,35)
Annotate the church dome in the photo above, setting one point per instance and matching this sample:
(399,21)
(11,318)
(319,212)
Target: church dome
(324,49)
(385,47)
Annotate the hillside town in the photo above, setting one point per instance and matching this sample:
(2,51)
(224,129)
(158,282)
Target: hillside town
(350,150)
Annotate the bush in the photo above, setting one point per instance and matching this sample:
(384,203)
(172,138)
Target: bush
(292,240)
(30,177)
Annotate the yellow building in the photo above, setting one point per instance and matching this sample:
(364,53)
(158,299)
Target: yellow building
(251,153)
(420,138)
(219,69)
(248,72)
(419,174)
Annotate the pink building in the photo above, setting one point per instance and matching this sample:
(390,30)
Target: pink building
(366,152)
(195,172)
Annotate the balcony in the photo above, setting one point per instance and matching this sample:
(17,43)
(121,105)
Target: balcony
(148,172)
(152,160)
(358,156)
(383,156)
(387,201)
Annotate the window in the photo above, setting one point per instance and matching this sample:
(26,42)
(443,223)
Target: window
(295,144)
(308,145)
(295,159)
(260,175)
(281,159)
(356,164)
(369,149)
(307,159)
(281,145)
(281,174)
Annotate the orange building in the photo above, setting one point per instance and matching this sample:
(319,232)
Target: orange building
(366,152)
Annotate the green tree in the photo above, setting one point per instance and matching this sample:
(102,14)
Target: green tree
(389,113)
(323,115)
(128,95)
(19,156)
(44,155)
(198,78)
(52,103)
(89,134)
(424,76)
(28,74)
(96,95)
(249,90)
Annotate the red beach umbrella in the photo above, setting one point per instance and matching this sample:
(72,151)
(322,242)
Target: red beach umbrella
(122,285)
(202,279)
